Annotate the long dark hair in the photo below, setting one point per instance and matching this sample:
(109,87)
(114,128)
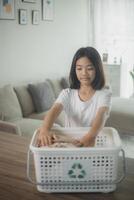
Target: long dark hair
(93,55)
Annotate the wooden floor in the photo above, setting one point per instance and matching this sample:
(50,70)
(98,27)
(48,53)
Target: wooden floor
(15,186)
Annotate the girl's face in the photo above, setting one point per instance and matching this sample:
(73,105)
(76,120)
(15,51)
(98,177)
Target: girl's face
(85,71)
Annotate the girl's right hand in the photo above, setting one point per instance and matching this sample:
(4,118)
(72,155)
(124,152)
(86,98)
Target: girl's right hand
(45,137)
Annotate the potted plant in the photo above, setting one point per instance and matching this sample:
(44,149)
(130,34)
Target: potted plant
(132,75)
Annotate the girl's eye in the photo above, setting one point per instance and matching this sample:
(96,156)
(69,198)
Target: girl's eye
(79,68)
(90,68)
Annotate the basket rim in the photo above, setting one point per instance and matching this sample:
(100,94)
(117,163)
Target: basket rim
(116,138)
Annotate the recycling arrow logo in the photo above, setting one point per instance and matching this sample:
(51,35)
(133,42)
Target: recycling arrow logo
(77,171)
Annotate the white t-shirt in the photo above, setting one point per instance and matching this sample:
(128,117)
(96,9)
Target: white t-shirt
(80,113)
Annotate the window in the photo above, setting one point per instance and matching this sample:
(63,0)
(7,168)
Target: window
(112,32)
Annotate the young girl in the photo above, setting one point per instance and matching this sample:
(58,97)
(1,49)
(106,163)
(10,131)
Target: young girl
(86,103)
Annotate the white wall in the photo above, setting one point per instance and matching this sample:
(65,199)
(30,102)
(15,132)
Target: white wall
(33,52)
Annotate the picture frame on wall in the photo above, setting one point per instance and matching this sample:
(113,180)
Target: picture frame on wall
(105,57)
(48,10)
(35,17)
(29,1)
(23,16)
(7,9)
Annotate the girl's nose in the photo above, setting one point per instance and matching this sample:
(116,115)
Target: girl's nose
(84,71)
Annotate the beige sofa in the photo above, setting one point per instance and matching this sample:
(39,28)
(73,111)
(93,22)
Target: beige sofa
(21,113)
(122,115)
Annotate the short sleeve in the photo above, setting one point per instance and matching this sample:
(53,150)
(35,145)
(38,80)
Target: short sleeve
(105,98)
(63,98)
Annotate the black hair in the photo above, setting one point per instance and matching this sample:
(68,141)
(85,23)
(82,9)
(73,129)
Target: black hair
(93,55)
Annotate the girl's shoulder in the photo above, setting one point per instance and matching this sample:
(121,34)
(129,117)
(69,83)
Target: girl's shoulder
(69,91)
(105,91)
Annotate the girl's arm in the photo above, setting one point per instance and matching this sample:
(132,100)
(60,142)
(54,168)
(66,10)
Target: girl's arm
(98,124)
(45,136)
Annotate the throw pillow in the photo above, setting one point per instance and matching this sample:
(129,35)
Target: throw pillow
(42,95)
(64,83)
(25,100)
(9,105)
(55,85)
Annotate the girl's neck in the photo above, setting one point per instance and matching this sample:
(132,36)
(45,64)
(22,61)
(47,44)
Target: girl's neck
(86,89)
(85,93)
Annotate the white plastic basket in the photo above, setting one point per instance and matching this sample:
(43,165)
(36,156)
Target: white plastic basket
(84,169)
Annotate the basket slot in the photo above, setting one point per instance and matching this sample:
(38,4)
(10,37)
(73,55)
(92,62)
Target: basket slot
(77,188)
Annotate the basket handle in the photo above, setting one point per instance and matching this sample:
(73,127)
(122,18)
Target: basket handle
(124,168)
(102,182)
(28,169)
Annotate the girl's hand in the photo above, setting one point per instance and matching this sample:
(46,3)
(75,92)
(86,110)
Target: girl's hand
(85,141)
(45,137)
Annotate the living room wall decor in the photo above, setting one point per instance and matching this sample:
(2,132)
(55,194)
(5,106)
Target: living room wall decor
(23,16)
(48,10)
(35,17)
(29,1)
(7,10)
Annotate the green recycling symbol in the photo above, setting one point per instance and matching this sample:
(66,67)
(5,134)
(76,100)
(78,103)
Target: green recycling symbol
(76,171)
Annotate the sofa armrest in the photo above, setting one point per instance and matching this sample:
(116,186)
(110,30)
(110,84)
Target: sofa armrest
(9,127)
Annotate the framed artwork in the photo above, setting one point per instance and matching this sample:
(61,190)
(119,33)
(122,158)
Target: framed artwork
(35,17)
(29,1)
(105,57)
(23,16)
(7,10)
(48,10)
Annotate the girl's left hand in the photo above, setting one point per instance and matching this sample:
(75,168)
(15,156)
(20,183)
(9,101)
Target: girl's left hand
(85,141)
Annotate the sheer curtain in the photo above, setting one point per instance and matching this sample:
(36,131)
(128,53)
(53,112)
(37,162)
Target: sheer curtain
(112,31)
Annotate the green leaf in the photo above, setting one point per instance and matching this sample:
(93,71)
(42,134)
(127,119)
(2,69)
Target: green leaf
(79,166)
(70,172)
(74,166)
(132,74)
(80,176)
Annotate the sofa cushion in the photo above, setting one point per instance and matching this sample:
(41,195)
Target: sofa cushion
(1,116)
(122,115)
(42,95)
(56,86)
(39,116)
(25,100)
(9,105)
(64,83)
(28,126)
